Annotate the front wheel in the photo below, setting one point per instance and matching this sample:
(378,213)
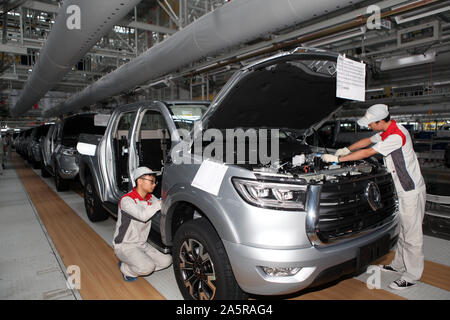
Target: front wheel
(60,183)
(36,164)
(201,265)
(92,202)
(44,172)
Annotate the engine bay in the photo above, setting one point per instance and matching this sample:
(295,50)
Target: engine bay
(295,160)
(300,161)
(310,168)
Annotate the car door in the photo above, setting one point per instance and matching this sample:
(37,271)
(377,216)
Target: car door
(151,138)
(114,154)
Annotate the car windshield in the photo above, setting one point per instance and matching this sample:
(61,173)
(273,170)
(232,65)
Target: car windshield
(184,115)
(79,124)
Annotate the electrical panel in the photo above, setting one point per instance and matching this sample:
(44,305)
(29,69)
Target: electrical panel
(420,34)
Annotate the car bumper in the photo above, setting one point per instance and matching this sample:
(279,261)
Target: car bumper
(68,168)
(316,265)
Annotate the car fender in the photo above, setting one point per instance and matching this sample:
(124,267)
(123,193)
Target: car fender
(207,203)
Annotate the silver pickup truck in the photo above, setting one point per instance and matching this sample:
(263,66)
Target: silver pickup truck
(237,224)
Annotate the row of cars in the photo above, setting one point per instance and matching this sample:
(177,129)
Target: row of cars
(51,147)
(242,225)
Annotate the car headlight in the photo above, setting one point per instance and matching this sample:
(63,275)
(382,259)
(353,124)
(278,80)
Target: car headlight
(272,194)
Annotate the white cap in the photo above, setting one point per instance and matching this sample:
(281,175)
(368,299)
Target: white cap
(141,171)
(375,113)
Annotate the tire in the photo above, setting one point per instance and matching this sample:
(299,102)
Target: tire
(211,276)
(44,172)
(36,164)
(60,183)
(447,156)
(92,203)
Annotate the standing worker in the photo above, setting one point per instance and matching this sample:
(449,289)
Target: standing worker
(136,208)
(2,165)
(394,143)
(9,143)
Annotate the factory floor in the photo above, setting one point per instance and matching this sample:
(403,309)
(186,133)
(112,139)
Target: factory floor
(49,250)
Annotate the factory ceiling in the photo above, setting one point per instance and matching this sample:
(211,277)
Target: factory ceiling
(405,44)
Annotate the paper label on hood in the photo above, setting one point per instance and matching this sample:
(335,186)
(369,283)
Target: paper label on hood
(350,79)
(209,176)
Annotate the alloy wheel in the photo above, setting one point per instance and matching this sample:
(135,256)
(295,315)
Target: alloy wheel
(197,270)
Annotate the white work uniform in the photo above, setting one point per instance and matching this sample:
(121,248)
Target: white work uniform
(9,148)
(396,146)
(130,244)
(1,155)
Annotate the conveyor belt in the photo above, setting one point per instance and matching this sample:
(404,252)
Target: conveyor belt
(80,245)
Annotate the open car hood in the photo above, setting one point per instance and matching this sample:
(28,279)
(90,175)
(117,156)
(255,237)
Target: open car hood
(289,90)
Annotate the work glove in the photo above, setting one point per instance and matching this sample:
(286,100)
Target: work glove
(342,152)
(330,158)
(157,203)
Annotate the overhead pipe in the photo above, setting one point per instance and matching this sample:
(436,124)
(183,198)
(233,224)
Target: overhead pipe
(232,24)
(78,27)
(299,40)
(359,22)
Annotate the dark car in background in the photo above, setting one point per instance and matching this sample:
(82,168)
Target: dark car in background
(59,152)
(22,143)
(33,146)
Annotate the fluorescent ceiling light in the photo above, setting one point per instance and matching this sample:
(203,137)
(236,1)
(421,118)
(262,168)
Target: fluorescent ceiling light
(407,61)
(400,19)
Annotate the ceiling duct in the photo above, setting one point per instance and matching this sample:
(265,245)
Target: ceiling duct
(234,23)
(78,26)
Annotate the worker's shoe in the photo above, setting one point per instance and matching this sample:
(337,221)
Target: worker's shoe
(401,284)
(126,278)
(386,268)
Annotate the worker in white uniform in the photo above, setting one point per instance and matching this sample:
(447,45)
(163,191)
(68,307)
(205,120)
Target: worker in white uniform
(9,143)
(394,143)
(2,165)
(136,256)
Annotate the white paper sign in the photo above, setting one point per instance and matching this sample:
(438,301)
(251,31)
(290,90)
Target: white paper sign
(86,148)
(350,79)
(209,176)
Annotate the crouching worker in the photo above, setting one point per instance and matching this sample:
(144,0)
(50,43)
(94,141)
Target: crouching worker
(136,208)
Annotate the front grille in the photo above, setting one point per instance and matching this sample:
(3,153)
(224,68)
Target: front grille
(344,210)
